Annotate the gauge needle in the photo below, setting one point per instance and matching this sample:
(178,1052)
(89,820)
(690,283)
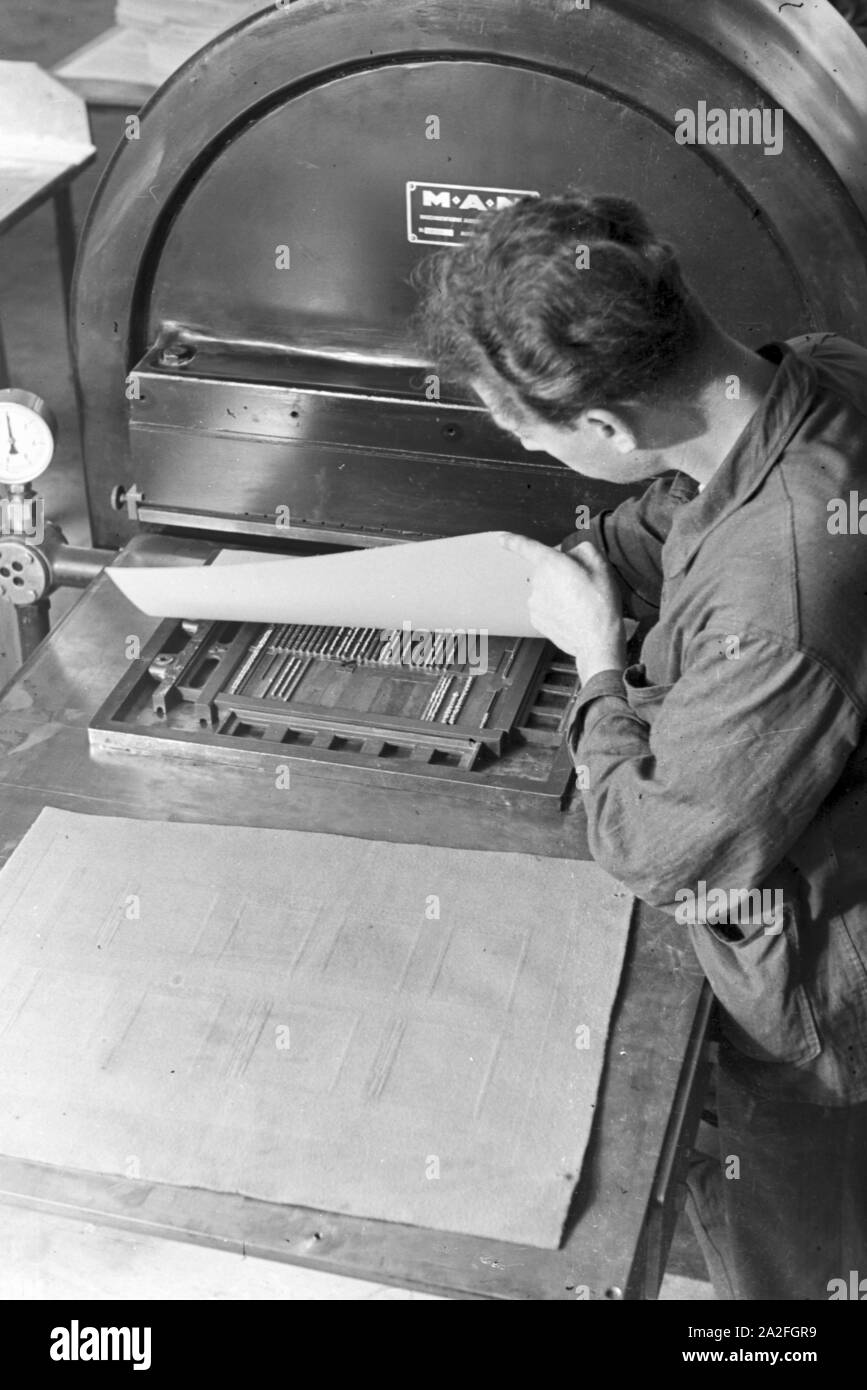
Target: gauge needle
(12,446)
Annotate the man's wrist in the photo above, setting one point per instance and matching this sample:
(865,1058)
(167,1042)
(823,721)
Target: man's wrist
(614,661)
(588,676)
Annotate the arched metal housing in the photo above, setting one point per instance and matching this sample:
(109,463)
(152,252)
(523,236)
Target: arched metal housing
(271,378)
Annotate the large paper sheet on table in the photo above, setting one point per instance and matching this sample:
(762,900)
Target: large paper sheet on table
(462,583)
(390,1031)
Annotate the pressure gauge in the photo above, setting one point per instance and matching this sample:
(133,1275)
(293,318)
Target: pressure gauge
(27,431)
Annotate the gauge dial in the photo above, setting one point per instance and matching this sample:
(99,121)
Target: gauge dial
(27,432)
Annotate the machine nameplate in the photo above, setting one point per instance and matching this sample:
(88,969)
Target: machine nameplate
(439,214)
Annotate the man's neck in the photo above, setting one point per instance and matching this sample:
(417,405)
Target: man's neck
(734,382)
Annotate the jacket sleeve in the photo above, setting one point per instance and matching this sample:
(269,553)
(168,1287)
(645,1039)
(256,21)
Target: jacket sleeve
(720,782)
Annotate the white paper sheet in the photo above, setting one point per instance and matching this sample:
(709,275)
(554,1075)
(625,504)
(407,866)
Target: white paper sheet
(278,1013)
(462,583)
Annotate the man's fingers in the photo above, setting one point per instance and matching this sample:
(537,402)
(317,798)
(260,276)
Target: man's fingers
(531,551)
(590,561)
(584,554)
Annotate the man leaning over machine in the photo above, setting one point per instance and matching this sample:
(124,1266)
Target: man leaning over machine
(726,772)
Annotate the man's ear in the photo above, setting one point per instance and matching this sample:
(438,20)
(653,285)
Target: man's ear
(612,429)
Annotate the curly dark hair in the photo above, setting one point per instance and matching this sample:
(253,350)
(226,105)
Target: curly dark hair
(511,302)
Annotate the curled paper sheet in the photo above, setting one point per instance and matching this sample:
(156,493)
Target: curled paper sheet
(462,583)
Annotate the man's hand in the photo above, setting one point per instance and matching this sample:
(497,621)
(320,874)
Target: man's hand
(574,602)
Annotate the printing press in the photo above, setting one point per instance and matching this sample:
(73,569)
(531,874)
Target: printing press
(248,378)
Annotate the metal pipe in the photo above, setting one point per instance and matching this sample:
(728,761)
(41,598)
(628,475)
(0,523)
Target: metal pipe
(287,673)
(33,625)
(460,700)
(266,673)
(447,682)
(439,648)
(355,647)
(438,686)
(250,660)
(483,722)
(254,675)
(293,681)
(447,712)
(387,655)
(276,674)
(76,565)
(346,646)
(329,650)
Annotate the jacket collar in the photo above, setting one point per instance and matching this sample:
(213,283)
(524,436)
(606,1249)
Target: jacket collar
(750,459)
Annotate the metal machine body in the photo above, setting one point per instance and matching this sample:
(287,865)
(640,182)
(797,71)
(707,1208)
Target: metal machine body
(242,309)
(241,301)
(351,702)
(246,373)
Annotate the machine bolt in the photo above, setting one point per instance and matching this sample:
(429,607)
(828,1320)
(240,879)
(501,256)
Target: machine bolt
(177,356)
(128,497)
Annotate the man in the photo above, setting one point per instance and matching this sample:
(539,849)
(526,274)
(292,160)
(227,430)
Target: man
(727,772)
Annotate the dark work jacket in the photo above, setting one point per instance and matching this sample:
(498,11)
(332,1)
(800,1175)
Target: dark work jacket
(734,755)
